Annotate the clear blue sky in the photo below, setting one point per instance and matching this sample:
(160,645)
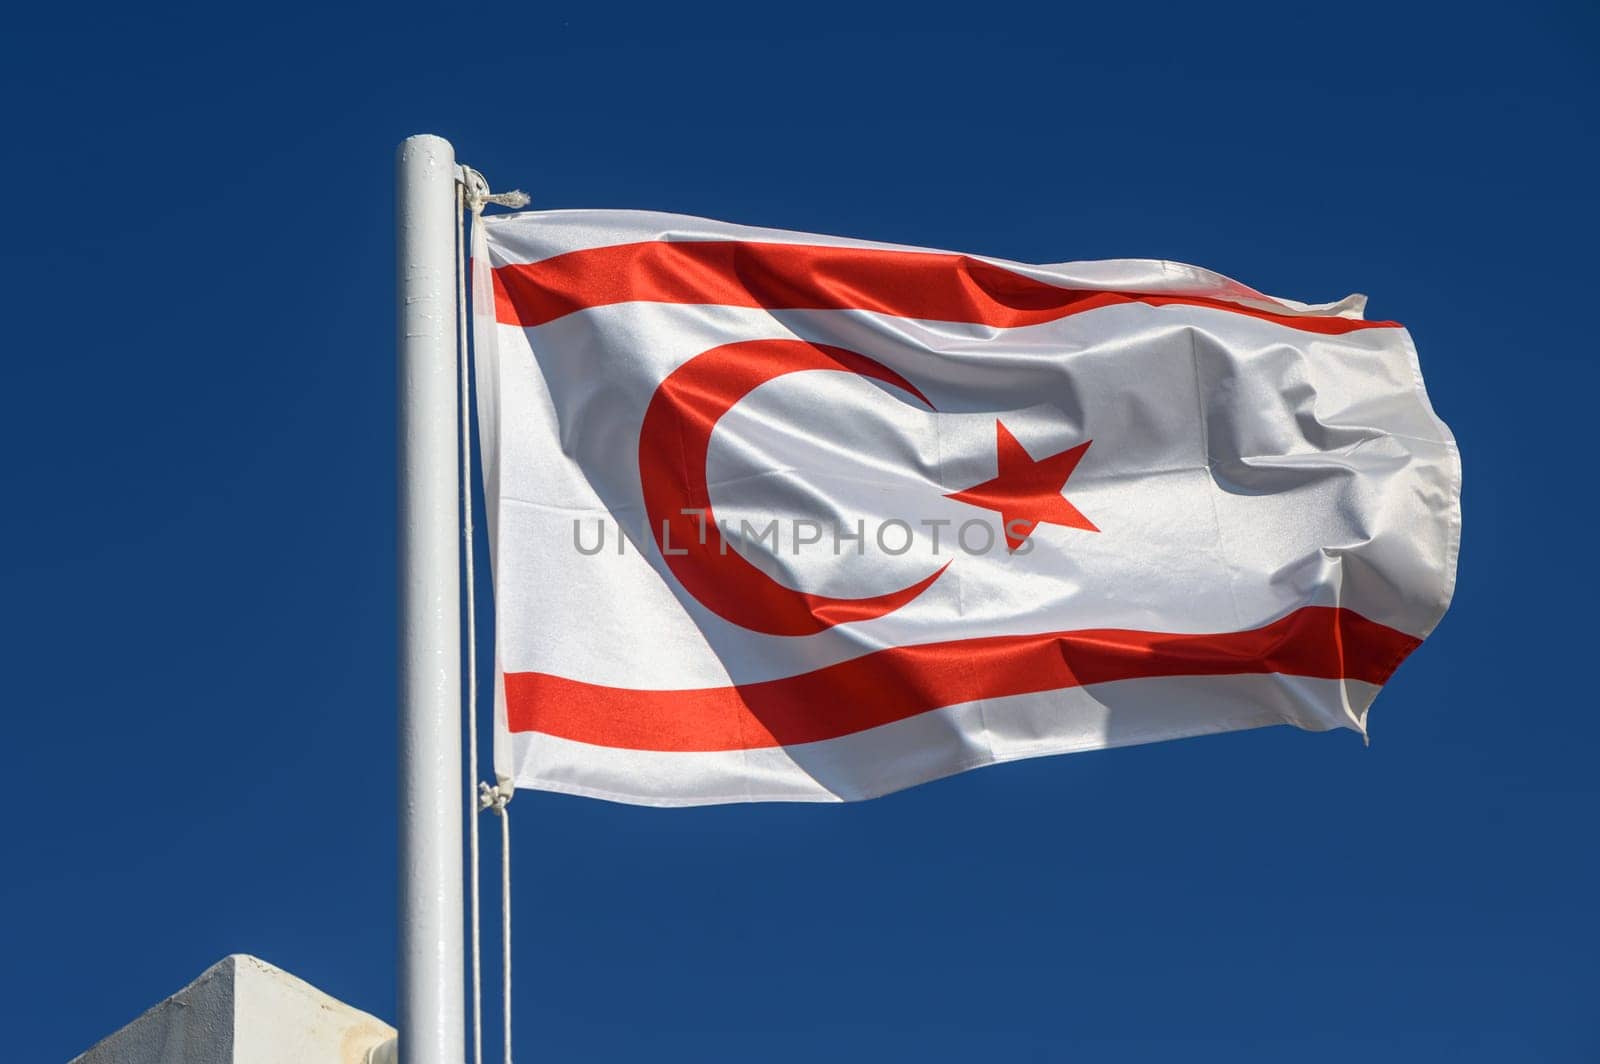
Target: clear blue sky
(198,543)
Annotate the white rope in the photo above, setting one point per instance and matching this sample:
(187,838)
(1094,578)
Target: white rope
(497,798)
(479,196)
(465,417)
(473,195)
(505,921)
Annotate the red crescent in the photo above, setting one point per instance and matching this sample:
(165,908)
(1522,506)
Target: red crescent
(673,443)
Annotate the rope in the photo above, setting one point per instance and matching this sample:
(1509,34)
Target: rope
(465,419)
(479,196)
(497,798)
(472,195)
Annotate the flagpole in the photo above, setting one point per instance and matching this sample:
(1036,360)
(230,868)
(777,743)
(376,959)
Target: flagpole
(431,1005)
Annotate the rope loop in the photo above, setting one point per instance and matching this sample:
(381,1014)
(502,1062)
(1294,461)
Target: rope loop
(475,190)
(494,798)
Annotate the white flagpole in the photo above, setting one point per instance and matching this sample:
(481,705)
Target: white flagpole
(431,958)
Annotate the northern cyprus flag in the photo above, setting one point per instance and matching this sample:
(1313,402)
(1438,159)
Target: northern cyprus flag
(782,517)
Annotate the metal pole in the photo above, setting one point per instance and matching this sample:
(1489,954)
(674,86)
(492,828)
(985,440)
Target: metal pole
(431,990)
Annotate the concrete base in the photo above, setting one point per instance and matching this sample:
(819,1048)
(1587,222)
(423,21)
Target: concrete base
(244,1011)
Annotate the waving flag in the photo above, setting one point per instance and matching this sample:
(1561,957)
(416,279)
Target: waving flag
(780,517)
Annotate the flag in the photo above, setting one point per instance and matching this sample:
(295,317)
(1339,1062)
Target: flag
(783,517)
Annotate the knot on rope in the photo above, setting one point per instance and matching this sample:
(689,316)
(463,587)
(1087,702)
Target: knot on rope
(475,191)
(494,798)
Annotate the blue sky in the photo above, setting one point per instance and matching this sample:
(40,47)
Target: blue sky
(198,546)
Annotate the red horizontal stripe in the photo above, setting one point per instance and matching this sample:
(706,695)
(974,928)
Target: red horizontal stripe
(900,682)
(934,286)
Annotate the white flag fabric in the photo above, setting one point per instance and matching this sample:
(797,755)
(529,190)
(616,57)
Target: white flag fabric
(782,517)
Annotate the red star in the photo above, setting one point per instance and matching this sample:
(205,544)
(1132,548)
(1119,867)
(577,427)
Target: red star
(1026,492)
